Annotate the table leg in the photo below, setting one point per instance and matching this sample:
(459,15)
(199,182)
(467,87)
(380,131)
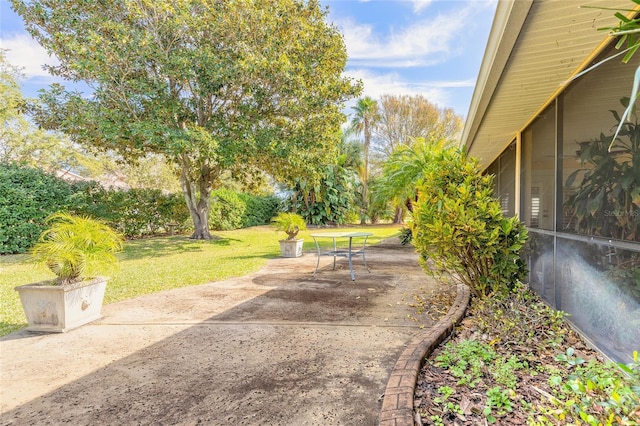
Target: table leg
(318,261)
(335,253)
(363,258)
(353,277)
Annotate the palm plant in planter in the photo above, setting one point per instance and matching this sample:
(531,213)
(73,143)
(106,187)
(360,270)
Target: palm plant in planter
(291,224)
(75,249)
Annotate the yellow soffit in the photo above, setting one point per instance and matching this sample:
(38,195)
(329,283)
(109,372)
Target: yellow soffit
(535,47)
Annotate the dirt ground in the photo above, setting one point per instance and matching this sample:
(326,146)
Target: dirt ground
(278,347)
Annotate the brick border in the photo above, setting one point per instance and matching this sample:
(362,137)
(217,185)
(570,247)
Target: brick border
(397,404)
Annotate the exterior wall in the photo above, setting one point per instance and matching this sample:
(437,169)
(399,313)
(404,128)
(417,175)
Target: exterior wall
(582,207)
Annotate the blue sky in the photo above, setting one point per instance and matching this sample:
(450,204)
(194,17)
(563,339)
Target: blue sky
(428,47)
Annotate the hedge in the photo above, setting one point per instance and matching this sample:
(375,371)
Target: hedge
(234,210)
(27,197)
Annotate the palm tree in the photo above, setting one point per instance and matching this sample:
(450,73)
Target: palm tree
(363,122)
(403,172)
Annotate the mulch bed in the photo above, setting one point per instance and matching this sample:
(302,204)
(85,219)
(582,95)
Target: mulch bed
(528,335)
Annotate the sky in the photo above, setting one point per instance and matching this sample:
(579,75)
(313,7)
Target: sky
(432,48)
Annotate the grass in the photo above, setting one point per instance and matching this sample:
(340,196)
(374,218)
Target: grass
(163,263)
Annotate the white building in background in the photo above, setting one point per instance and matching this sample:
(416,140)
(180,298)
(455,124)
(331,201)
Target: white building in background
(540,127)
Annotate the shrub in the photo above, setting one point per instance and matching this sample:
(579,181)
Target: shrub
(458,227)
(135,212)
(233,210)
(227,210)
(405,236)
(330,201)
(27,197)
(259,209)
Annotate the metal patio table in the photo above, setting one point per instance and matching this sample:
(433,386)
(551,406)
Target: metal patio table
(349,252)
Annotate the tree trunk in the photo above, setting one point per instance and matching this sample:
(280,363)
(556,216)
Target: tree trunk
(365,178)
(198,202)
(200,218)
(398,218)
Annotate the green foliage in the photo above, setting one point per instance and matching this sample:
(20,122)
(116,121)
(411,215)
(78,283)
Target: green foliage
(328,202)
(597,393)
(498,400)
(366,115)
(470,361)
(290,223)
(403,171)
(20,140)
(628,30)
(446,392)
(466,360)
(75,246)
(216,87)
(134,213)
(259,209)
(506,320)
(606,201)
(519,337)
(227,210)
(458,227)
(27,197)
(405,236)
(504,371)
(569,358)
(234,210)
(446,406)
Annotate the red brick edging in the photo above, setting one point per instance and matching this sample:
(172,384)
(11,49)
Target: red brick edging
(397,404)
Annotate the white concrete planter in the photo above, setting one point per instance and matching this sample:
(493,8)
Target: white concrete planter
(56,309)
(291,248)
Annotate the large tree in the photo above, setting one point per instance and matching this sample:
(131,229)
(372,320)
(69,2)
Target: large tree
(363,122)
(20,140)
(216,86)
(403,118)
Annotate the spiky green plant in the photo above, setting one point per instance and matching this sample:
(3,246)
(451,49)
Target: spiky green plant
(74,246)
(290,223)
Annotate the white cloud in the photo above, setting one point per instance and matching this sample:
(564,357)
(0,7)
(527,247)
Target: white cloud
(376,85)
(24,52)
(423,42)
(418,5)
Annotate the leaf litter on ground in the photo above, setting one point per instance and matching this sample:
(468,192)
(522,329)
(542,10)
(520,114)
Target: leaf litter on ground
(516,361)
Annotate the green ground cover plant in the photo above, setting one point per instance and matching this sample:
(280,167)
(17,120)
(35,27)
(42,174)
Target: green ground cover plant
(516,361)
(163,263)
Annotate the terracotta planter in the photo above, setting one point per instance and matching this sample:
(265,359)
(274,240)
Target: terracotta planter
(291,248)
(56,309)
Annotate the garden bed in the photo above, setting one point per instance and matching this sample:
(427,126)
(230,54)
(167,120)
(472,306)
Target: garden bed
(518,362)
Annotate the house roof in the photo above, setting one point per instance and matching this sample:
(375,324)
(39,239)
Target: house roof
(534,48)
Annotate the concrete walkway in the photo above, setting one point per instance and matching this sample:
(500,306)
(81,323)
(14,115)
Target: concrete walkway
(278,347)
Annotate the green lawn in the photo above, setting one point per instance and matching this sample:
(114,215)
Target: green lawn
(162,263)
